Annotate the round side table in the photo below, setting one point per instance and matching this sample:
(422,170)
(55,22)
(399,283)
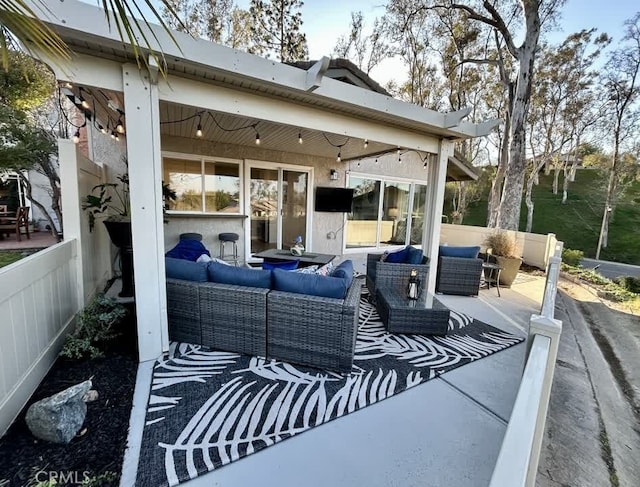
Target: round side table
(491,274)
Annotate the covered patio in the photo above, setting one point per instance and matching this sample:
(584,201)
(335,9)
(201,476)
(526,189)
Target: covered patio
(242,117)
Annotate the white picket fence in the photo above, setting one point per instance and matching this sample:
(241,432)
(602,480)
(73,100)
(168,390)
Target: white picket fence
(38,302)
(517,463)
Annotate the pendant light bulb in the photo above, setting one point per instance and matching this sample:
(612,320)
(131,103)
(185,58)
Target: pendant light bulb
(199,131)
(120,127)
(300,138)
(76,137)
(425,164)
(257,138)
(117,137)
(84,103)
(102,129)
(366,143)
(339,158)
(113,135)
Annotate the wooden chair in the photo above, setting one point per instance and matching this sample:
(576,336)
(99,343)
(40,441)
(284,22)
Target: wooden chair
(14,224)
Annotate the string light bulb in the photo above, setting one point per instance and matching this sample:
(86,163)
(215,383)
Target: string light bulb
(257,138)
(366,143)
(425,164)
(300,138)
(102,129)
(199,128)
(120,126)
(339,158)
(76,137)
(113,135)
(117,137)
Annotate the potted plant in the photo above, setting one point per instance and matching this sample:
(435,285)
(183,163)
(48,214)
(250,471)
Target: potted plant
(502,246)
(111,200)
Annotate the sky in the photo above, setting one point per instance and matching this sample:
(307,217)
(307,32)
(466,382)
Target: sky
(326,20)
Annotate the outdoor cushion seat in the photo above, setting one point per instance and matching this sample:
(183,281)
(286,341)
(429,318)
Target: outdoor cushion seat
(459,270)
(312,284)
(239,276)
(395,274)
(185,270)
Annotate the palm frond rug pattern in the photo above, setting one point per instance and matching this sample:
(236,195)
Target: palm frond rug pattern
(208,408)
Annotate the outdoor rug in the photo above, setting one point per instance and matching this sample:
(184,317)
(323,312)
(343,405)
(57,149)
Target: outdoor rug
(207,408)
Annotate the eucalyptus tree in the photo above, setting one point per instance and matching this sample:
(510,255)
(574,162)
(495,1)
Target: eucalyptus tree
(276,30)
(621,87)
(365,50)
(220,21)
(561,107)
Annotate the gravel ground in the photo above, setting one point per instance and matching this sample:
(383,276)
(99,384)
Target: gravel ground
(98,449)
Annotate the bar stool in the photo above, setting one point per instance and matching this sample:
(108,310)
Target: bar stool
(191,236)
(231,238)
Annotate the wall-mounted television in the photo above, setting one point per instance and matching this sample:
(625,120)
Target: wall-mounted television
(334,199)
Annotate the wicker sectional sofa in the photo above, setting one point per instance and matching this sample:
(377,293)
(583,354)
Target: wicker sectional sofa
(301,328)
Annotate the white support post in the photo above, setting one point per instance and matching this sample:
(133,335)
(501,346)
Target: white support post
(551,328)
(68,163)
(145,179)
(433,210)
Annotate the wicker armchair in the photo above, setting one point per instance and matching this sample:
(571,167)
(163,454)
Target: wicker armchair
(458,275)
(392,274)
(313,331)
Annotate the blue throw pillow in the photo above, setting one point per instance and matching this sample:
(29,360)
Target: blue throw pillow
(344,271)
(312,284)
(414,256)
(287,265)
(240,276)
(465,252)
(399,257)
(188,250)
(185,269)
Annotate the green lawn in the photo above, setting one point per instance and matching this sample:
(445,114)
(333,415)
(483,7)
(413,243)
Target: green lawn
(578,222)
(9,257)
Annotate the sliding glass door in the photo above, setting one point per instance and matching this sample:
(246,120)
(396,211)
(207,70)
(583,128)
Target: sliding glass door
(278,206)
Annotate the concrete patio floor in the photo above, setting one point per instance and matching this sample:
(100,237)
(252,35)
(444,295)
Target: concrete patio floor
(447,431)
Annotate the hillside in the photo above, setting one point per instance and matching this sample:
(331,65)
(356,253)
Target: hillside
(578,222)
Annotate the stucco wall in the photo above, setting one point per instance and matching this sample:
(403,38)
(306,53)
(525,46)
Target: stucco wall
(322,223)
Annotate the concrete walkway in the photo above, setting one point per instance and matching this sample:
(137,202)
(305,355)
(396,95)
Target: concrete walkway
(592,435)
(38,240)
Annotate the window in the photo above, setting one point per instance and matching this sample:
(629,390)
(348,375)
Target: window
(381,214)
(203,185)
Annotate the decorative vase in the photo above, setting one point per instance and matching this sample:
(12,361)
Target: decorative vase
(297,249)
(120,235)
(510,267)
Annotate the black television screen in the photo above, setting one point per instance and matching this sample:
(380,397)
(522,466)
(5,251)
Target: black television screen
(334,199)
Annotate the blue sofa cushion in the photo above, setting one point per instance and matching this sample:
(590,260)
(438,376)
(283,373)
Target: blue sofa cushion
(344,271)
(398,257)
(465,252)
(312,284)
(188,250)
(240,276)
(287,265)
(185,269)
(414,256)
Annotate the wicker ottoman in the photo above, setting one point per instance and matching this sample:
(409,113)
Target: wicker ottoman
(403,315)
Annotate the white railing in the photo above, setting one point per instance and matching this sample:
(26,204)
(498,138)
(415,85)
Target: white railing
(517,463)
(38,303)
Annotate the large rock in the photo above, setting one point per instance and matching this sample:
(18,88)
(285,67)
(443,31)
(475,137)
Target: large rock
(59,418)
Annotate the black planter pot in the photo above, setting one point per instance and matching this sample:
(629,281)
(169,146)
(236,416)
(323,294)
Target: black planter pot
(120,234)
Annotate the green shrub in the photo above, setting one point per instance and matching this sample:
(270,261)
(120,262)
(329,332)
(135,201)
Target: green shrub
(630,283)
(95,327)
(572,257)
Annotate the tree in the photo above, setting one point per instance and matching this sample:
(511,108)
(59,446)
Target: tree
(365,51)
(18,21)
(27,141)
(560,107)
(276,30)
(534,13)
(621,84)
